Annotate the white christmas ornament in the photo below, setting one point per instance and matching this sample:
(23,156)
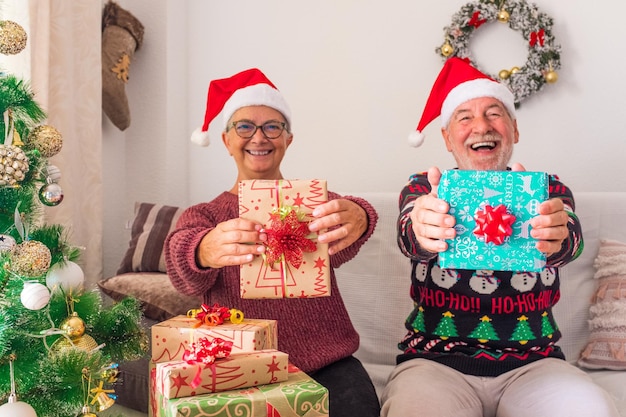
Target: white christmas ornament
(17,409)
(34,296)
(66,275)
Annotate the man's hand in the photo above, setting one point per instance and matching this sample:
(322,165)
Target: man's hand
(550,226)
(431,221)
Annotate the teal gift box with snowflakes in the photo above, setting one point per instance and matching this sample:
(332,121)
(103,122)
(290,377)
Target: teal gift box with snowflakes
(493,211)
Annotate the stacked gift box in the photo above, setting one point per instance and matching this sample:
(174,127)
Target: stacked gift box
(244,374)
(251,377)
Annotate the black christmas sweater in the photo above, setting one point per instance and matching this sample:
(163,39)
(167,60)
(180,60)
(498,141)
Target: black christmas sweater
(482,322)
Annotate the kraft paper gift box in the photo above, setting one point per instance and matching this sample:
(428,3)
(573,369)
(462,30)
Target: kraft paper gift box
(298,396)
(171,337)
(177,379)
(493,210)
(263,200)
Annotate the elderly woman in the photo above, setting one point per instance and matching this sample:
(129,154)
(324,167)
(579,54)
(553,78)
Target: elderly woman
(210,242)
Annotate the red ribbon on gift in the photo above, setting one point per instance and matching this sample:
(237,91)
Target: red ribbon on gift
(287,239)
(493,224)
(205,352)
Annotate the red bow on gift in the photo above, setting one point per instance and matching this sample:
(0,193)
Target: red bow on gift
(537,37)
(287,237)
(215,315)
(205,352)
(493,224)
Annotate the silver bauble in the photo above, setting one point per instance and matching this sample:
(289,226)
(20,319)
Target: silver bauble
(51,194)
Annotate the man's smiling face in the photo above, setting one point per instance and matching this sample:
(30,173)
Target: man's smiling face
(481,135)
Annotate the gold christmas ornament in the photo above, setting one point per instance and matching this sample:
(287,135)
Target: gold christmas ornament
(30,258)
(12,38)
(86,412)
(104,401)
(13,165)
(551,76)
(85,342)
(46,139)
(514,70)
(503,16)
(447,49)
(504,74)
(73,326)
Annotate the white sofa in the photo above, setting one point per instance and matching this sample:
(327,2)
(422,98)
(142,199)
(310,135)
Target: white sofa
(375,287)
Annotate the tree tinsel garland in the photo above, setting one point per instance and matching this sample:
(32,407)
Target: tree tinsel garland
(536,28)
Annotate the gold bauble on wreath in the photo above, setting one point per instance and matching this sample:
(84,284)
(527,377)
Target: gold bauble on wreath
(504,74)
(12,38)
(447,49)
(551,77)
(503,16)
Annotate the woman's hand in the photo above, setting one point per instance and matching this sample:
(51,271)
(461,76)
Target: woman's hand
(233,242)
(350,218)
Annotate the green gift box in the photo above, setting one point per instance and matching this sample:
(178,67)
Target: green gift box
(299,396)
(493,211)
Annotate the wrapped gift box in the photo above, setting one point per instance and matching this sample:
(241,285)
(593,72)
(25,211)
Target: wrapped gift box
(175,379)
(492,211)
(298,396)
(259,200)
(171,337)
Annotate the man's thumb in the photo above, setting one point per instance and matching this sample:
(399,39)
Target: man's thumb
(434,175)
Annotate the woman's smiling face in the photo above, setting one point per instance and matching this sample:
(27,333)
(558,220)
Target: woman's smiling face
(257,157)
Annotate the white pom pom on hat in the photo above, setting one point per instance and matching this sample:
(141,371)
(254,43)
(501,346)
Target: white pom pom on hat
(458,82)
(227,95)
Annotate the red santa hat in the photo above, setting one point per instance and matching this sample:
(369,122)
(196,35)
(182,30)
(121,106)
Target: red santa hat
(227,95)
(457,83)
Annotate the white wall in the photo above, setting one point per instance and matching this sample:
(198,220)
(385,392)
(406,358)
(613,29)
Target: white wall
(356,74)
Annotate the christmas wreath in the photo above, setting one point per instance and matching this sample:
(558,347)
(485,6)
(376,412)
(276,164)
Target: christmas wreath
(536,27)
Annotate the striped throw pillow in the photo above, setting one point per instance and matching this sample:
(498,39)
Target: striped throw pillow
(606,348)
(151,225)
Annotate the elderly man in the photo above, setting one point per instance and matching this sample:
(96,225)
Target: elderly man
(464,375)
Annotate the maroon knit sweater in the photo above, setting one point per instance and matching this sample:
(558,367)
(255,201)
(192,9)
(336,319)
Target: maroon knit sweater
(313,331)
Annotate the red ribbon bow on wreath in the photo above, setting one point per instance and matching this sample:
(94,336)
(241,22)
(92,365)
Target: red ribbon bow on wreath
(287,237)
(475,21)
(493,224)
(538,36)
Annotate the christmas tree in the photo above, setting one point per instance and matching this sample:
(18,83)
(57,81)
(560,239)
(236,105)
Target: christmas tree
(59,343)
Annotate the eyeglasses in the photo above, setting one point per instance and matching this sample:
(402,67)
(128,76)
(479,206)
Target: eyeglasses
(245,129)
